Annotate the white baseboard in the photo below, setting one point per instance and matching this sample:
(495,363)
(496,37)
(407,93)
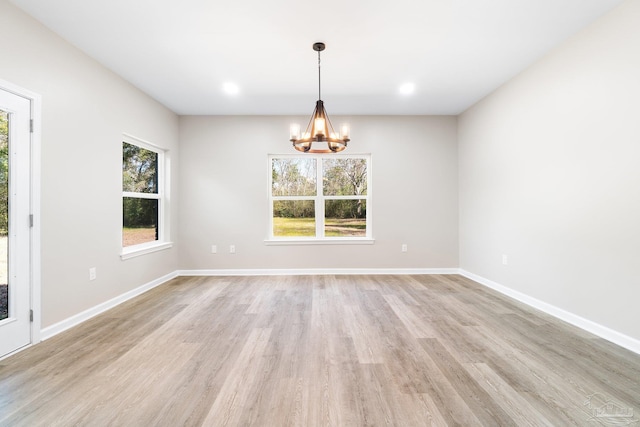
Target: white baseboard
(72,321)
(615,337)
(317,271)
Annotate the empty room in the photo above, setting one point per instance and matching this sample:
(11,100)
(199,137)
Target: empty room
(284,213)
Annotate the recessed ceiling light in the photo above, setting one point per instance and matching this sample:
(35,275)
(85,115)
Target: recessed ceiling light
(407,88)
(230,88)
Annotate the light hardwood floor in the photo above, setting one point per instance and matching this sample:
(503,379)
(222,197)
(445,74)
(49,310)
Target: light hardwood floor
(319,351)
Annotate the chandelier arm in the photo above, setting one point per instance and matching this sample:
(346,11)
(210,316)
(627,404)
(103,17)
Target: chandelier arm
(304,137)
(330,129)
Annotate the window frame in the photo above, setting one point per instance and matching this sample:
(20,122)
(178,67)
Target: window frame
(163,224)
(319,201)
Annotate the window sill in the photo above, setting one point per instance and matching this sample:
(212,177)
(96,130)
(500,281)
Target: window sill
(292,242)
(143,249)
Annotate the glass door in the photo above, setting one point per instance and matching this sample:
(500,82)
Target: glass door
(4,215)
(15,287)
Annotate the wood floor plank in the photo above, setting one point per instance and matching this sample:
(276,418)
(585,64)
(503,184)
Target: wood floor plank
(369,350)
(232,400)
(484,408)
(413,323)
(518,408)
(365,338)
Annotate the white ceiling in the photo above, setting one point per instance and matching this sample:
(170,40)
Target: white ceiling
(182,52)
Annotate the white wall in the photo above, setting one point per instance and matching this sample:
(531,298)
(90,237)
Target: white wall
(550,175)
(224,188)
(85,110)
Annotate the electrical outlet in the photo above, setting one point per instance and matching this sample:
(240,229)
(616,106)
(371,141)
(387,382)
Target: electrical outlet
(232,249)
(214,249)
(92,273)
(404,247)
(505,260)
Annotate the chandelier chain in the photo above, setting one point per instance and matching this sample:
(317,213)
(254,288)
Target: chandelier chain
(319,87)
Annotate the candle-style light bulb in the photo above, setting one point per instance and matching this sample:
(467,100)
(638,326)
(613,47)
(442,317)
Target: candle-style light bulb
(344,131)
(294,132)
(319,126)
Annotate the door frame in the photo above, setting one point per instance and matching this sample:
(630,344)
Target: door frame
(35,278)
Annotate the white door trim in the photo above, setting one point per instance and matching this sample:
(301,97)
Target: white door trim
(35,273)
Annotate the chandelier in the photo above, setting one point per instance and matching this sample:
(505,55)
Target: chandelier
(319,128)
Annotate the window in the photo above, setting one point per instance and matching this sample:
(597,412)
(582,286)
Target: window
(320,198)
(142,197)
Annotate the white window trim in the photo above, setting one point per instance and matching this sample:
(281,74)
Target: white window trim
(292,241)
(163,224)
(143,249)
(319,199)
